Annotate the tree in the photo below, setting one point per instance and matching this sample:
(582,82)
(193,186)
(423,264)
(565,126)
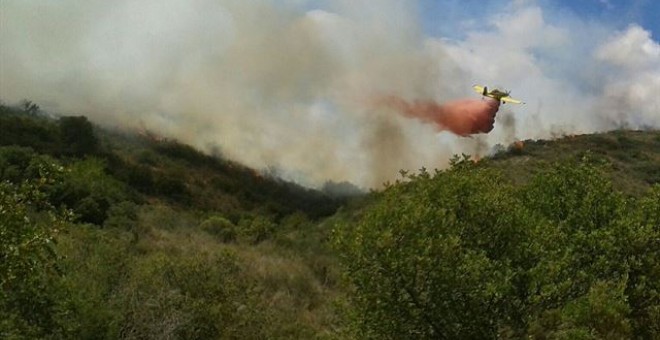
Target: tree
(30,107)
(77,136)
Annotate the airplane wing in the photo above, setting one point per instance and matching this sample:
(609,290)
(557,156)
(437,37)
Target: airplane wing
(511,100)
(479,89)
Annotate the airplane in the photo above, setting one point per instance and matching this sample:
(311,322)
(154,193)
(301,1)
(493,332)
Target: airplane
(501,96)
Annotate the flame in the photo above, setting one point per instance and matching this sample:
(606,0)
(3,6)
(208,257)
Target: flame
(518,145)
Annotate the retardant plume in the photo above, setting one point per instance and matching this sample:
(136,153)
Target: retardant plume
(463,117)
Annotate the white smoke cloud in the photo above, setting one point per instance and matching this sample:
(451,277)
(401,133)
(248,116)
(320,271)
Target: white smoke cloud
(633,49)
(633,84)
(286,85)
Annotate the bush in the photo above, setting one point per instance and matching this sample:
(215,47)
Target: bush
(189,296)
(255,230)
(220,227)
(19,164)
(28,263)
(123,215)
(14,160)
(164,217)
(140,177)
(19,129)
(89,191)
(167,289)
(172,186)
(96,263)
(464,254)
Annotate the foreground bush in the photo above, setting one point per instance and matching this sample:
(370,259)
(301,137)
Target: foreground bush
(28,263)
(465,254)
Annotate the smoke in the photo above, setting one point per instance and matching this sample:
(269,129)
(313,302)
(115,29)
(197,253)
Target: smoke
(462,117)
(283,84)
(507,120)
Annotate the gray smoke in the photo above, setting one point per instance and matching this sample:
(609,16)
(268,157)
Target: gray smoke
(279,84)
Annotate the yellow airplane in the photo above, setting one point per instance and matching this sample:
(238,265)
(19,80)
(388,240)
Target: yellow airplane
(501,96)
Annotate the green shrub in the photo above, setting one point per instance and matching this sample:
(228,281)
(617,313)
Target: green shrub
(20,164)
(255,230)
(28,264)
(172,186)
(89,191)
(465,254)
(148,157)
(140,177)
(91,209)
(97,264)
(189,296)
(14,160)
(19,129)
(220,227)
(165,217)
(123,215)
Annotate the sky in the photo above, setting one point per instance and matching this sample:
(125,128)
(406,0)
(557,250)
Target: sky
(448,18)
(289,85)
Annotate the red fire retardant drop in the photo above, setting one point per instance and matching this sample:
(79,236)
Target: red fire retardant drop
(463,117)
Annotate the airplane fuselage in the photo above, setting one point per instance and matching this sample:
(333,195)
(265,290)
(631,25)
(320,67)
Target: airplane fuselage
(497,94)
(501,96)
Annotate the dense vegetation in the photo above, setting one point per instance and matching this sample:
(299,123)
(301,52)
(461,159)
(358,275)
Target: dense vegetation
(466,254)
(112,235)
(631,159)
(107,234)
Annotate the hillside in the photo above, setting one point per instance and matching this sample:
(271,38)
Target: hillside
(154,238)
(115,234)
(157,168)
(631,158)
(546,240)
